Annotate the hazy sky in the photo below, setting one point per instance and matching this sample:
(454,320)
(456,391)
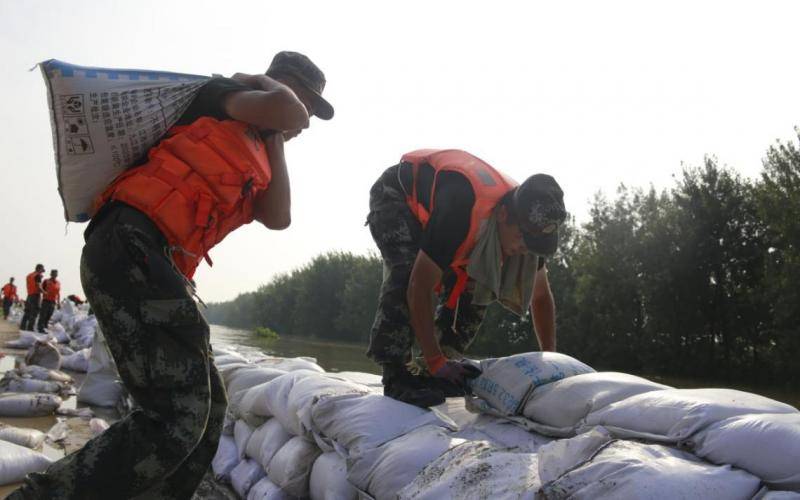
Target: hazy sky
(595,93)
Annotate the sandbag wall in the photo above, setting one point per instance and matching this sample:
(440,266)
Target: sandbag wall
(540,424)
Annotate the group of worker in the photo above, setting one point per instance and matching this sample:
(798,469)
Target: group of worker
(43,298)
(445,222)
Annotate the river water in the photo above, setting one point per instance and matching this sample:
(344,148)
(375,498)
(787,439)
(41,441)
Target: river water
(333,357)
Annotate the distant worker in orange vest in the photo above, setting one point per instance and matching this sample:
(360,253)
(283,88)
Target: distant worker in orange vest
(447,222)
(50,300)
(222,166)
(9,297)
(33,301)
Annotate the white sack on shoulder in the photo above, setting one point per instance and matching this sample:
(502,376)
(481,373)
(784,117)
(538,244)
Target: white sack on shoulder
(673,415)
(329,479)
(506,383)
(290,468)
(765,445)
(561,405)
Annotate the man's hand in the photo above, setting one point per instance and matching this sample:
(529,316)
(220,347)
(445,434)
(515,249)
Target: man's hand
(456,372)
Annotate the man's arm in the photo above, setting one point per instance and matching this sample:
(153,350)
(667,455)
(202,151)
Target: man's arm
(274,106)
(424,276)
(543,311)
(273,207)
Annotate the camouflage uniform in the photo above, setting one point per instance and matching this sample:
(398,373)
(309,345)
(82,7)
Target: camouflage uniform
(160,343)
(397,233)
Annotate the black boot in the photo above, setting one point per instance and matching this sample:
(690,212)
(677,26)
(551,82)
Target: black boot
(399,384)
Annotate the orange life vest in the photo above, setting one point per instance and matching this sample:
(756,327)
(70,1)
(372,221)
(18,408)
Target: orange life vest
(52,289)
(30,281)
(9,291)
(197,186)
(488,184)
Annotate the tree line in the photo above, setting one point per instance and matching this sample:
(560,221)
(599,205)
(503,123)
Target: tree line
(699,280)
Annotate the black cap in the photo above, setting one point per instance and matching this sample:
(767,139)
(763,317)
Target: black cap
(300,67)
(53,271)
(539,207)
(39,267)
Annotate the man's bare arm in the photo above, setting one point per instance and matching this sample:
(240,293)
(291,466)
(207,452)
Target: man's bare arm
(273,207)
(424,277)
(543,310)
(270,106)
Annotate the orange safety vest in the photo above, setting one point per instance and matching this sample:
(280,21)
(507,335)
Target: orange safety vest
(488,184)
(9,291)
(30,281)
(197,186)
(52,289)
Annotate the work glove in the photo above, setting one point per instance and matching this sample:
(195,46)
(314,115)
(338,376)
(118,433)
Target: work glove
(456,372)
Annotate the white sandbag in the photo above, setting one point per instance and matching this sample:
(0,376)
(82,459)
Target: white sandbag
(275,395)
(251,406)
(256,441)
(560,406)
(275,436)
(44,354)
(502,433)
(506,383)
(290,468)
(329,479)
(370,380)
(355,424)
(245,379)
(767,494)
(98,426)
(42,373)
(241,434)
(385,470)
(226,359)
(291,364)
(476,470)
(89,155)
(767,446)
(226,458)
(245,475)
(267,490)
(102,386)
(17,461)
(673,415)
(12,382)
(78,362)
(57,332)
(29,438)
(628,469)
(28,405)
(65,350)
(307,390)
(26,339)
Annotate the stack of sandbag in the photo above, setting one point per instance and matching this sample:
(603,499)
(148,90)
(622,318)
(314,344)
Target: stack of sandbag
(594,465)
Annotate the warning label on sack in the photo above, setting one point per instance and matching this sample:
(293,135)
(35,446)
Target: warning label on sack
(105,120)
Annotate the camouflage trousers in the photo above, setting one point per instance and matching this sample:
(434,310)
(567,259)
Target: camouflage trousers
(160,343)
(397,233)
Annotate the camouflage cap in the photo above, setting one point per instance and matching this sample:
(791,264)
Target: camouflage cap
(539,206)
(300,67)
